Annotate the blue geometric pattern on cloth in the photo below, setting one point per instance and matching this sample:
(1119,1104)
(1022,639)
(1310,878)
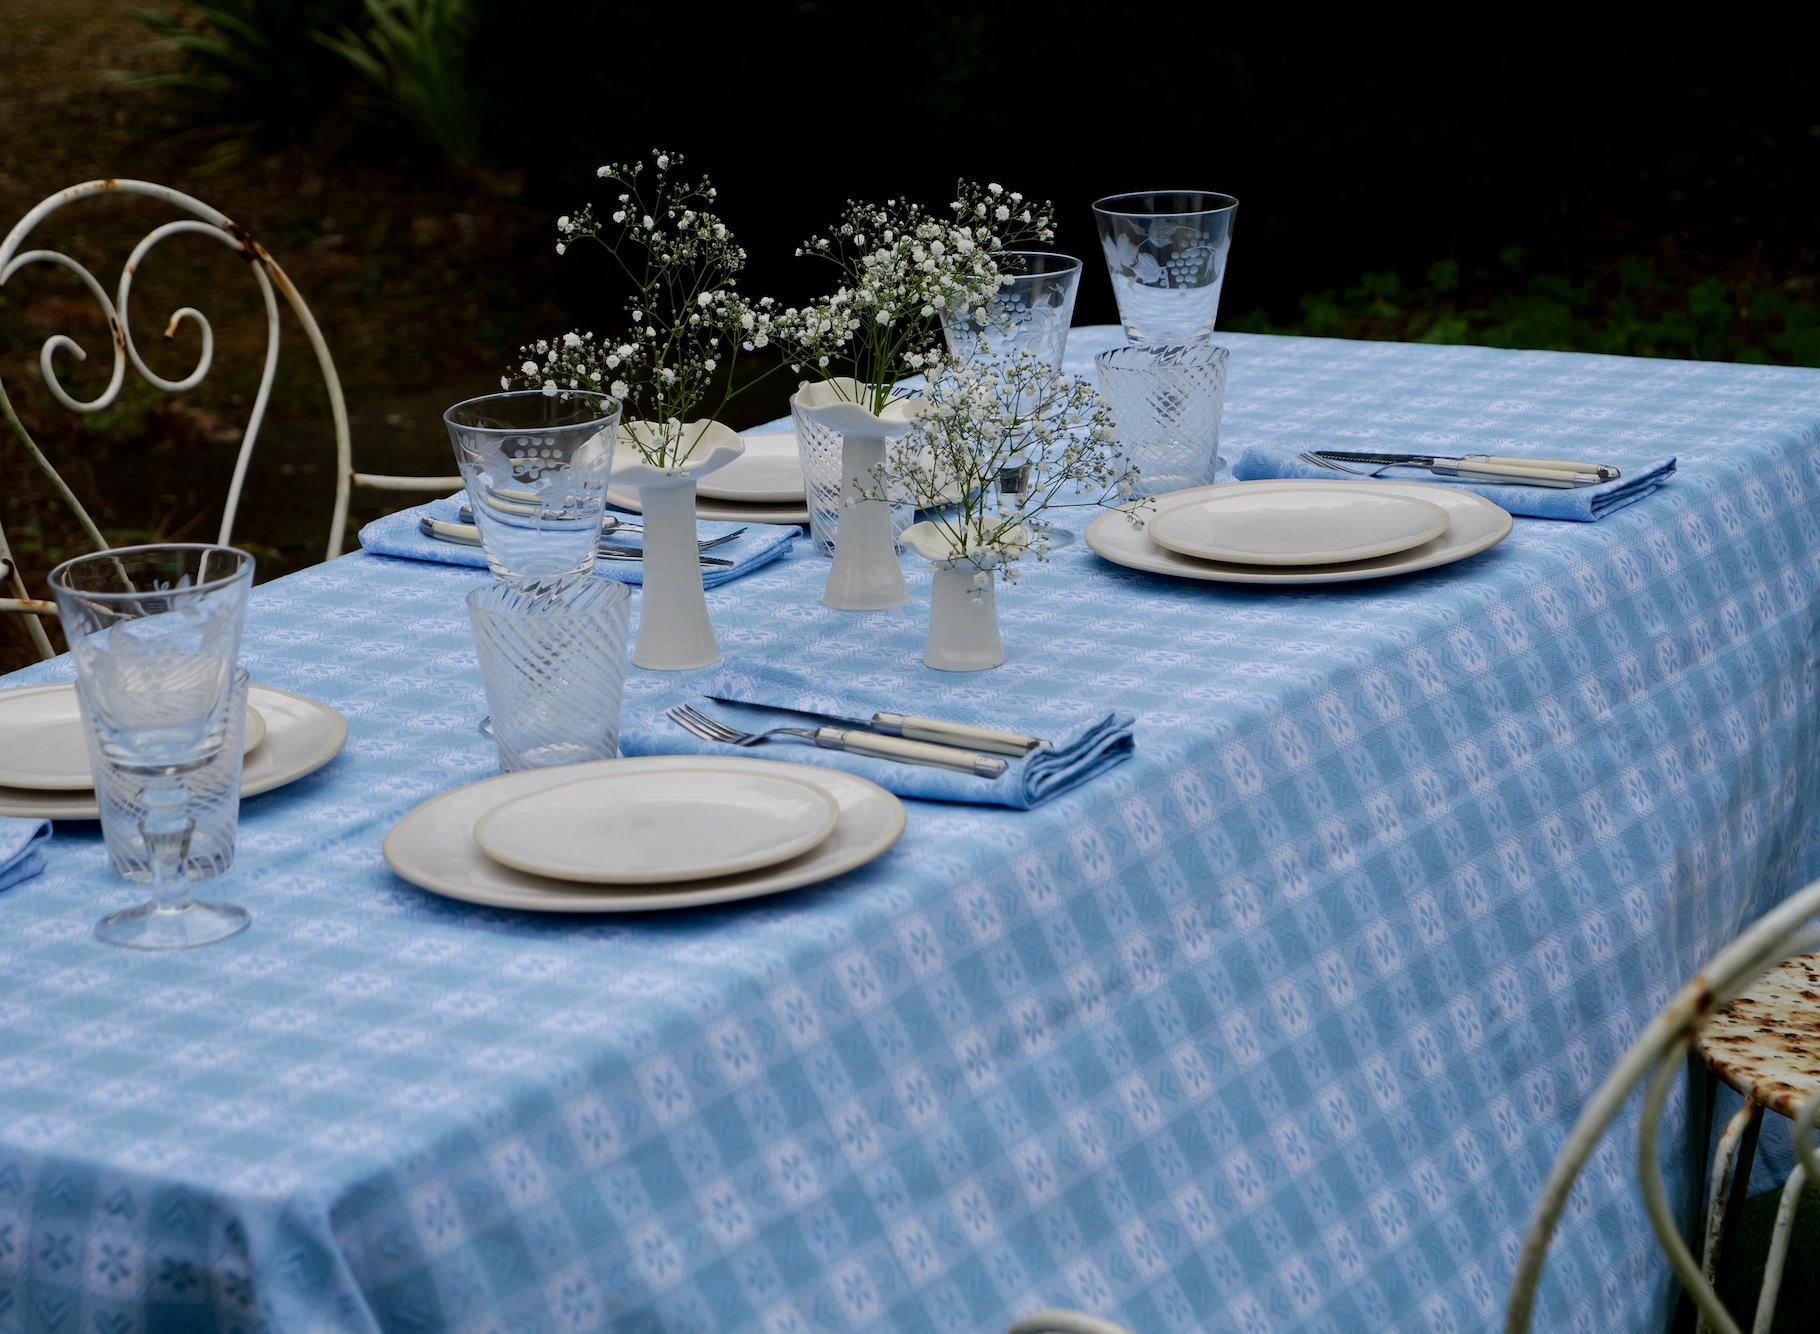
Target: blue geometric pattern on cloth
(1584,504)
(20,859)
(398,535)
(1276,1026)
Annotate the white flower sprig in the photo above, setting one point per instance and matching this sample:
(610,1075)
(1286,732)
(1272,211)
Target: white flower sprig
(687,320)
(1013,439)
(900,266)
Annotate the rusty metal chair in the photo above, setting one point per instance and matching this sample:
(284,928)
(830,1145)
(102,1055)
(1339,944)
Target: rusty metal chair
(1753,1016)
(205,221)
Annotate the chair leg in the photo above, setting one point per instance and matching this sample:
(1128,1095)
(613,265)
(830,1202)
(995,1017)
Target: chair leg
(1730,1179)
(1702,1091)
(1778,1250)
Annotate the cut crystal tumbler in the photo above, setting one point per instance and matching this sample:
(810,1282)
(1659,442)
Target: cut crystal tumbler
(554,663)
(536,467)
(1031,312)
(1165,404)
(1166,251)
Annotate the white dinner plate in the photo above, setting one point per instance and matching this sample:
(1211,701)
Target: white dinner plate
(1324,523)
(726,511)
(433,845)
(301,735)
(768,473)
(645,829)
(1474,524)
(42,747)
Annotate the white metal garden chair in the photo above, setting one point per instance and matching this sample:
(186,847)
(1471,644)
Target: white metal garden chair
(205,221)
(1753,1015)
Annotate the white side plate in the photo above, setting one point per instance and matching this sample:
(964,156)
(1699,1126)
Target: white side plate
(42,747)
(644,828)
(768,473)
(301,735)
(726,511)
(1326,523)
(433,845)
(1474,524)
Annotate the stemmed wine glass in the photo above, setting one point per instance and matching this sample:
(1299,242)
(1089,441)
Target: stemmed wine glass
(155,635)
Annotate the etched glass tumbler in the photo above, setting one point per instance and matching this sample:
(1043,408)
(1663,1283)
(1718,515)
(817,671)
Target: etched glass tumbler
(536,467)
(1031,312)
(155,635)
(1166,251)
(554,662)
(1166,404)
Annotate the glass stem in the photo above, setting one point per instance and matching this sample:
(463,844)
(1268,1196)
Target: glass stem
(166,829)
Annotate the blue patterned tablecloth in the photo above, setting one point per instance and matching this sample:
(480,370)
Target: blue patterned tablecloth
(1276,1026)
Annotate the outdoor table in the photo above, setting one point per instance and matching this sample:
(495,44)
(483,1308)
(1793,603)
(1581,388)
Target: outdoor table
(1278,1025)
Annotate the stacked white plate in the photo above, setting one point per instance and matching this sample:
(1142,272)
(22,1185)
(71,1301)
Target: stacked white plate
(44,772)
(763,485)
(631,835)
(1300,532)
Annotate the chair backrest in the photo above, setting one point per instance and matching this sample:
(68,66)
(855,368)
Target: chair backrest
(205,221)
(1656,1057)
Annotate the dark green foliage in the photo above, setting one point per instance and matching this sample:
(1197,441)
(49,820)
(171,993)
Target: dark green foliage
(1625,308)
(254,75)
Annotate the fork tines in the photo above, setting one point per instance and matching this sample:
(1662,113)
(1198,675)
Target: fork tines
(699,724)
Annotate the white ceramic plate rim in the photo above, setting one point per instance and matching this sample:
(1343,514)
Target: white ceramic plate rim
(256,777)
(254,734)
(781,851)
(504,888)
(725,511)
(1439,519)
(716,486)
(1133,548)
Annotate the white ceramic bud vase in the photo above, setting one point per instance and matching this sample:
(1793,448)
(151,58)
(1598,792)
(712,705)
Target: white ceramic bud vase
(866,575)
(674,633)
(963,612)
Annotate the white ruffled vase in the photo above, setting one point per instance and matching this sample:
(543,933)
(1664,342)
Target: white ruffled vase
(674,633)
(866,575)
(963,612)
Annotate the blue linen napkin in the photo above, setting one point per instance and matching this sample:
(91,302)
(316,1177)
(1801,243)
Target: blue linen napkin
(1089,748)
(20,857)
(398,535)
(1583,504)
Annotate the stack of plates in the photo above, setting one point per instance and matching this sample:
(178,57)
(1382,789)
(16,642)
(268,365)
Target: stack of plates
(1301,532)
(664,831)
(763,485)
(44,773)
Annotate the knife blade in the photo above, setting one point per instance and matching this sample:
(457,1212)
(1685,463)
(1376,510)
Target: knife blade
(913,728)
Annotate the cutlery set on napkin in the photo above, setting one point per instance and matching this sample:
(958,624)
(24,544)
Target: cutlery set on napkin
(1533,488)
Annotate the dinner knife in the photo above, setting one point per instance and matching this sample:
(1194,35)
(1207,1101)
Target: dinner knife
(902,748)
(1564,473)
(920,729)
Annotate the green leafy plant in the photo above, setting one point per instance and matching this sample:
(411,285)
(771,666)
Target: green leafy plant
(415,53)
(252,71)
(1630,308)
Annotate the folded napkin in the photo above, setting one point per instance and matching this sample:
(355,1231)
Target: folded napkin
(398,535)
(1585,504)
(20,858)
(1089,747)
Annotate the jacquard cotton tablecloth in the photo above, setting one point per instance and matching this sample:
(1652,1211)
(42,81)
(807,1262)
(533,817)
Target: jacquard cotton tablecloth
(1276,1026)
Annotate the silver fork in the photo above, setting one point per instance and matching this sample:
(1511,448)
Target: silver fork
(1315,460)
(697,723)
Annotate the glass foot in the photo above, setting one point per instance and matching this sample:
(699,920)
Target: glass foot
(486,725)
(149,927)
